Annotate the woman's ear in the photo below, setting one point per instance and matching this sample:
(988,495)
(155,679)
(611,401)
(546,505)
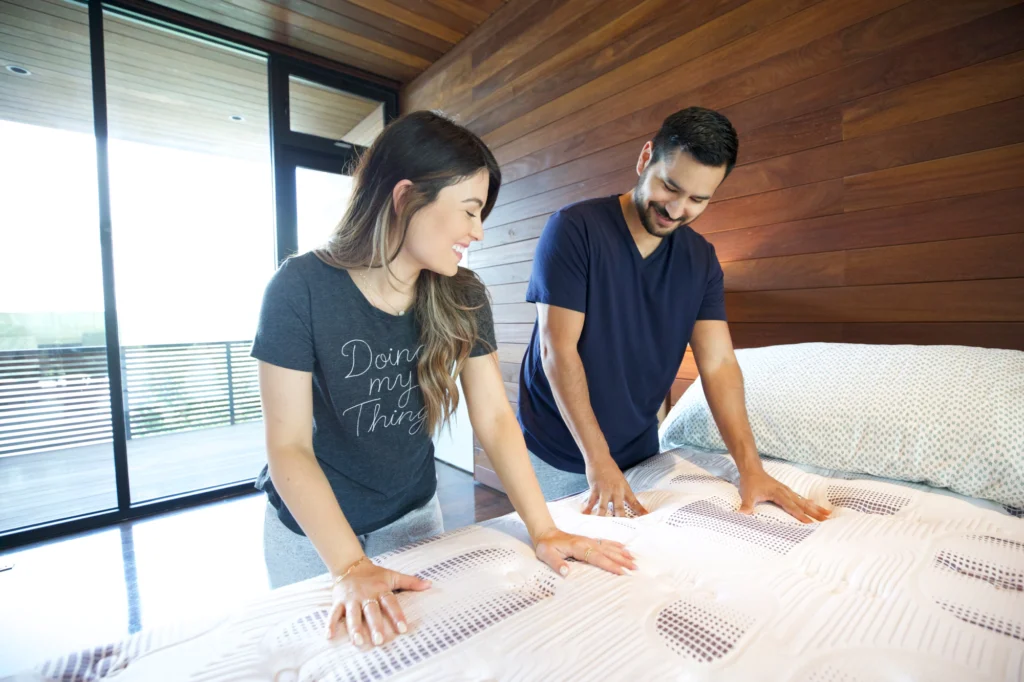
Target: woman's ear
(399,194)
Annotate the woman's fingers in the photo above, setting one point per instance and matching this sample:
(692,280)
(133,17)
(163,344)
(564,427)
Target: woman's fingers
(588,506)
(401,581)
(374,620)
(609,553)
(603,543)
(620,557)
(393,611)
(554,556)
(606,554)
(354,623)
(334,618)
(596,557)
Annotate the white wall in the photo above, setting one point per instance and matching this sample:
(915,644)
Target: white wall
(454,445)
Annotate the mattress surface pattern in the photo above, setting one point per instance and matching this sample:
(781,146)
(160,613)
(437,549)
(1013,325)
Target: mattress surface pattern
(901,584)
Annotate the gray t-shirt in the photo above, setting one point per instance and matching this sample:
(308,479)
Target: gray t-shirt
(369,435)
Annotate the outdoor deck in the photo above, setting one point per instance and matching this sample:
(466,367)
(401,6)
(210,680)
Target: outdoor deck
(47,486)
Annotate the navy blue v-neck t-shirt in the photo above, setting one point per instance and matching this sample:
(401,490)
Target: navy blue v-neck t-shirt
(640,313)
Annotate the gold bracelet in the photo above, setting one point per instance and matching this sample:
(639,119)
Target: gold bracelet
(348,570)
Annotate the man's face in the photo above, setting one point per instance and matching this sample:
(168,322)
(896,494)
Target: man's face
(673,191)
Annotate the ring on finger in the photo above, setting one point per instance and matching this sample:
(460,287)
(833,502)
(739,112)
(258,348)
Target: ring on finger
(586,555)
(367,602)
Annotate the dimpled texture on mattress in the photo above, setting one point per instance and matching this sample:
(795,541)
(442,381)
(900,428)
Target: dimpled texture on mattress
(900,584)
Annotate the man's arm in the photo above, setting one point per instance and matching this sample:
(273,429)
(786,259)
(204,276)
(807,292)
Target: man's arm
(723,387)
(559,330)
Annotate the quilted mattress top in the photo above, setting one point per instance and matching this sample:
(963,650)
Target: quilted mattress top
(901,583)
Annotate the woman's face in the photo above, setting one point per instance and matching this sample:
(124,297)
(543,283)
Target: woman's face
(441,232)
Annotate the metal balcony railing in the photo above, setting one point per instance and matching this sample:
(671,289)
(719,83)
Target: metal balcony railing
(54,398)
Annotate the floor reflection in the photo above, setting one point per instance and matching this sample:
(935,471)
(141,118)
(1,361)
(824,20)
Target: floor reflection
(94,588)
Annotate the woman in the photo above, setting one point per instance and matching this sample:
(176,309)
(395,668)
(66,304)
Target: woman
(359,346)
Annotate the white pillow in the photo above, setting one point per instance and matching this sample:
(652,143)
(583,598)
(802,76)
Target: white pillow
(949,416)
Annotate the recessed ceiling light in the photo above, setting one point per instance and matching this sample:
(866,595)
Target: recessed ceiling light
(18,70)
(238,119)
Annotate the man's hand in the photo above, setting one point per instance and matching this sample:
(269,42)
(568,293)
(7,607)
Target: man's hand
(607,484)
(760,487)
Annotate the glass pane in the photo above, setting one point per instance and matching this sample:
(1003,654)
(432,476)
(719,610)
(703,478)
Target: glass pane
(315,109)
(56,458)
(321,200)
(192,214)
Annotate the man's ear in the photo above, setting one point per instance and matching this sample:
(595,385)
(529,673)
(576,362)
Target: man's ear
(646,154)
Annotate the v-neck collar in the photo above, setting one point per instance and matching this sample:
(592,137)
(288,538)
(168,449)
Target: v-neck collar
(638,258)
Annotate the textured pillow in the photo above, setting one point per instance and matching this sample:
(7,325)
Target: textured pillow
(949,416)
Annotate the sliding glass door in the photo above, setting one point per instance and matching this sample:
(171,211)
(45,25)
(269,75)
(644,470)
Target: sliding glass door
(193,230)
(153,176)
(56,458)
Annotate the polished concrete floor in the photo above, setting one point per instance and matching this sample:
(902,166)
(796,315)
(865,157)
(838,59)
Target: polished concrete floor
(97,587)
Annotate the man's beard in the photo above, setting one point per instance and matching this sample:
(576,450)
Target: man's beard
(644,208)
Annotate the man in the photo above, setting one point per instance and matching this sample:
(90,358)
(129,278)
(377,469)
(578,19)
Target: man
(622,285)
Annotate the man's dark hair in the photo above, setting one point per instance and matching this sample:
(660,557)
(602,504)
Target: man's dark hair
(706,135)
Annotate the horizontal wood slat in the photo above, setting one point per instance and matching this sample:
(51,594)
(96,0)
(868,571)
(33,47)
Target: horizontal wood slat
(515,313)
(988,170)
(959,259)
(511,352)
(961,217)
(513,333)
(508,293)
(998,300)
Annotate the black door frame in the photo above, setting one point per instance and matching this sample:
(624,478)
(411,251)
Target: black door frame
(289,150)
(293,149)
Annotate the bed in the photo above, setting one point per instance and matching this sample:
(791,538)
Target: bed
(905,582)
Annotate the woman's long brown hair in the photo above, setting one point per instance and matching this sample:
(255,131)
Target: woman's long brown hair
(432,152)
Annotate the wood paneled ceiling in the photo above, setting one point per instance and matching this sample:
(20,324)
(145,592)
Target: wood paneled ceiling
(396,39)
(163,88)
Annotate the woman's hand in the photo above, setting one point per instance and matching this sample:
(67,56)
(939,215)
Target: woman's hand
(365,598)
(554,547)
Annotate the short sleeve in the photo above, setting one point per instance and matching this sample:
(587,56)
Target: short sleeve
(560,265)
(486,342)
(284,335)
(712,307)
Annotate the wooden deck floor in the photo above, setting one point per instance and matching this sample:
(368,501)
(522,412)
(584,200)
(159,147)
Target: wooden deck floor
(47,486)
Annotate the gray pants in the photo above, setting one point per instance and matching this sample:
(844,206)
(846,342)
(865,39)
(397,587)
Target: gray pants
(555,483)
(291,557)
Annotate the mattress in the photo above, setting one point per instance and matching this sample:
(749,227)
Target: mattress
(902,583)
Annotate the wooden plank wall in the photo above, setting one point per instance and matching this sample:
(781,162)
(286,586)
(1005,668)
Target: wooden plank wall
(880,188)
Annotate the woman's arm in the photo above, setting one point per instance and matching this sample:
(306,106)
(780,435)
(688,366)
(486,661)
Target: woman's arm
(497,428)
(366,590)
(287,397)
